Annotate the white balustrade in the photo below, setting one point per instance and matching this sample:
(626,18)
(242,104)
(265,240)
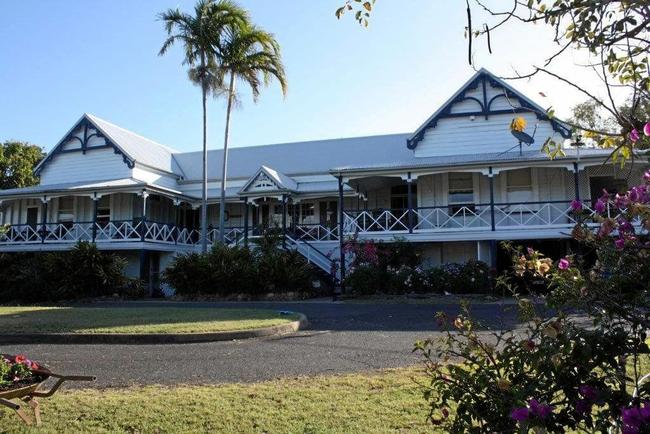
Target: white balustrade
(316,232)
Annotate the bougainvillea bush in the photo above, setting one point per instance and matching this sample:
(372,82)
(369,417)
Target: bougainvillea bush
(16,372)
(579,362)
(397,268)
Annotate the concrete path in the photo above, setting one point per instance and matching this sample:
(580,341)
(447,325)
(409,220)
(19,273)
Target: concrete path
(342,337)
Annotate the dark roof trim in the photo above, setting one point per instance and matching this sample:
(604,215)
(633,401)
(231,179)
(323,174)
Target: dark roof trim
(87,124)
(482,79)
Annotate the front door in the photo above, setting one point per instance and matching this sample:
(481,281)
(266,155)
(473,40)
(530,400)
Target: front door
(264,209)
(32,216)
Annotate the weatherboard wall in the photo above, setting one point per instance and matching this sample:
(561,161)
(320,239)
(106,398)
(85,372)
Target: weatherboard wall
(475,134)
(94,165)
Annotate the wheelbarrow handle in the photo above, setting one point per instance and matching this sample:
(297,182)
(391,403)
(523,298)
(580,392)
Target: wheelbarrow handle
(11,405)
(59,382)
(74,377)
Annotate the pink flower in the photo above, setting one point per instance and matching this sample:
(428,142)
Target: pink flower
(564,264)
(646,176)
(646,129)
(600,206)
(620,243)
(576,205)
(621,201)
(634,135)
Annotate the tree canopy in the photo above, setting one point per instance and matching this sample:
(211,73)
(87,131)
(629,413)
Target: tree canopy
(17,163)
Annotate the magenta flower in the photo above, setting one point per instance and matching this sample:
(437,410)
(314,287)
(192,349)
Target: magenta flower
(620,243)
(621,201)
(646,129)
(625,226)
(520,414)
(583,406)
(634,136)
(576,205)
(600,206)
(635,418)
(646,176)
(539,410)
(588,392)
(564,264)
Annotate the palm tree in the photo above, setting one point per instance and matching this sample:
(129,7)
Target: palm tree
(252,56)
(200,35)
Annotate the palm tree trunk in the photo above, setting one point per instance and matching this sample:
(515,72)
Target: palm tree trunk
(204,190)
(224,171)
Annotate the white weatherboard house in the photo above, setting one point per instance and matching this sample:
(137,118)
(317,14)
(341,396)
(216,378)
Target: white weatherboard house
(457,185)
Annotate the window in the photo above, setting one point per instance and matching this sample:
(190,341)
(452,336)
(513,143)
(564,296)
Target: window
(306,212)
(66,210)
(399,196)
(461,191)
(519,186)
(104,210)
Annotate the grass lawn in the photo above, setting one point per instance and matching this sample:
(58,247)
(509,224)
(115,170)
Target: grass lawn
(376,402)
(135,319)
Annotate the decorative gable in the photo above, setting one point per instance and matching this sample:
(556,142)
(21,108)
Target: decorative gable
(84,137)
(484,105)
(268,180)
(263,182)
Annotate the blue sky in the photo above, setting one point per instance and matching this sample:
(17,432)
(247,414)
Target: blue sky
(61,59)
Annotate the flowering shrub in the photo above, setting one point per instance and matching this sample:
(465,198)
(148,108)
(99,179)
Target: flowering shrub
(396,268)
(17,372)
(556,374)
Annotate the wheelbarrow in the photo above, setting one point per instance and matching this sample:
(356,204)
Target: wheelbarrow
(28,394)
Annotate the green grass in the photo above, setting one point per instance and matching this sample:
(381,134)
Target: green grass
(135,319)
(378,402)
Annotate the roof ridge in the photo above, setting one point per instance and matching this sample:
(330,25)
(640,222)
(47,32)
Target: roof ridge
(97,118)
(300,142)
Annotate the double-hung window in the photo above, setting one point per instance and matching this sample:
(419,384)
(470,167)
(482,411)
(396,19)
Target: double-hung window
(104,210)
(66,210)
(519,188)
(461,192)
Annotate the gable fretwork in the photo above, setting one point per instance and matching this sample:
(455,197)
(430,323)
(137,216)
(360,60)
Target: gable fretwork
(82,138)
(268,180)
(483,96)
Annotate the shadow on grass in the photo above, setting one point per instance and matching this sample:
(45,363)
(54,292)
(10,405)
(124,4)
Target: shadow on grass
(23,320)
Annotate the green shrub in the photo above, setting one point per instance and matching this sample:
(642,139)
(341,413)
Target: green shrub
(189,274)
(367,279)
(239,270)
(468,278)
(84,271)
(81,272)
(232,270)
